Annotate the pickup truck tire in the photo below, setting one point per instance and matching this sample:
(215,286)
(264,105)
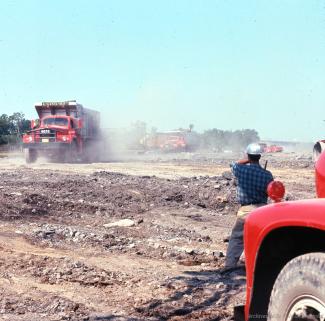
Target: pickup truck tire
(30,155)
(299,291)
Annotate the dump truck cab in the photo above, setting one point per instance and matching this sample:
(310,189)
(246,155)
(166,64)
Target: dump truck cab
(59,129)
(285,259)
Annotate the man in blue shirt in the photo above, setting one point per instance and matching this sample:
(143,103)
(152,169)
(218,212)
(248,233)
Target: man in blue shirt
(252,182)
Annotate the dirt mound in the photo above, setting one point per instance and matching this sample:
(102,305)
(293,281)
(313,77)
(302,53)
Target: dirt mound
(109,194)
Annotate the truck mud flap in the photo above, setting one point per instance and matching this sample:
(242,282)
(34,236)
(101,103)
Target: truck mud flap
(239,313)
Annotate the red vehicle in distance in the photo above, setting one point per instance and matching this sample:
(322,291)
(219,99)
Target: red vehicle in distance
(285,259)
(172,141)
(271,148)
(274,149)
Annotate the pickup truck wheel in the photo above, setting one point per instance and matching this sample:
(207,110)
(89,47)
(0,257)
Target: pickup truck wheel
(299,291)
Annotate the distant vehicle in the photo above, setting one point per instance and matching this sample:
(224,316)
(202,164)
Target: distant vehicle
(271,148)
(285,259)
(65,131)
(172,141)
(274,149)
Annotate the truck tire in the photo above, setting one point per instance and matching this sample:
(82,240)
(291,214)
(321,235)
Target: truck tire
(91,153)
(30,155)
(299,291)
(71,155)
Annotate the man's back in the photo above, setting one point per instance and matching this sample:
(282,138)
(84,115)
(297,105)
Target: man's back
(252,182)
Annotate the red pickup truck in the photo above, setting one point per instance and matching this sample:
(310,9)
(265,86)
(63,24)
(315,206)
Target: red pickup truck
(285,259)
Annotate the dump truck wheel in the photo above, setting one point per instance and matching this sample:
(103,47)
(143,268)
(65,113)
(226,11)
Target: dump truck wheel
(30,155)
(64,157)
(71,155)
(299,290)
(91,153)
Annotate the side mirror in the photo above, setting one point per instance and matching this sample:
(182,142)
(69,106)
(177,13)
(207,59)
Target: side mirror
(34,123)
(276,191)
(320,176)
(318,149)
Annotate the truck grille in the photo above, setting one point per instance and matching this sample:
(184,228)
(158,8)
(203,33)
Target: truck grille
(47,135)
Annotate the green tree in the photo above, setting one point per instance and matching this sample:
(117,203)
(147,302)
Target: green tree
(18,123)
(224,139)
(4,125)
(11,128)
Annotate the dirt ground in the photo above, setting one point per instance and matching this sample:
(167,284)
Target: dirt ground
(141,239)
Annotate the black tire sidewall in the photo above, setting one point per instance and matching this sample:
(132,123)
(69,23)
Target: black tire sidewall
(303,276)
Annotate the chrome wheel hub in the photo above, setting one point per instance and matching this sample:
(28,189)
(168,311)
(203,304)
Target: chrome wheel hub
(306,308)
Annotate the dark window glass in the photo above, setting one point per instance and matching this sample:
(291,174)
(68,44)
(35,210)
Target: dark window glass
(63,122)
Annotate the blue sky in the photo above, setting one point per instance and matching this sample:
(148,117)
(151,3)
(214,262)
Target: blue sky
(228,64)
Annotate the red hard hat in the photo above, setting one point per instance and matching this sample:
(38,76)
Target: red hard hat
(276,191)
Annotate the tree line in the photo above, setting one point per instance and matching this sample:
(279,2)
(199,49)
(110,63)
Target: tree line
(12,127)
(221,140)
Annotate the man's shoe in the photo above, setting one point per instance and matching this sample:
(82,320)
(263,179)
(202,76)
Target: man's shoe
(228,269)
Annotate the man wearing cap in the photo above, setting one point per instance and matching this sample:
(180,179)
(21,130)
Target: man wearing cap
(252,182)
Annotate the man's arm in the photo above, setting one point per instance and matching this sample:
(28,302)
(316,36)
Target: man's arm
(243,161)
(234,165)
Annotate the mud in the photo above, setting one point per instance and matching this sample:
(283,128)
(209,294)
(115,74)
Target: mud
(138,240)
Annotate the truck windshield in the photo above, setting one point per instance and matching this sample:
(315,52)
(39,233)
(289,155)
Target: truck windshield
(63,122)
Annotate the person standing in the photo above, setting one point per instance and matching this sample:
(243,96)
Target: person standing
(252,182)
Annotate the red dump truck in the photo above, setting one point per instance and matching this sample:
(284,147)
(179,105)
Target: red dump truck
(65,131)
(271,148)
(172,141)
(285,259)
